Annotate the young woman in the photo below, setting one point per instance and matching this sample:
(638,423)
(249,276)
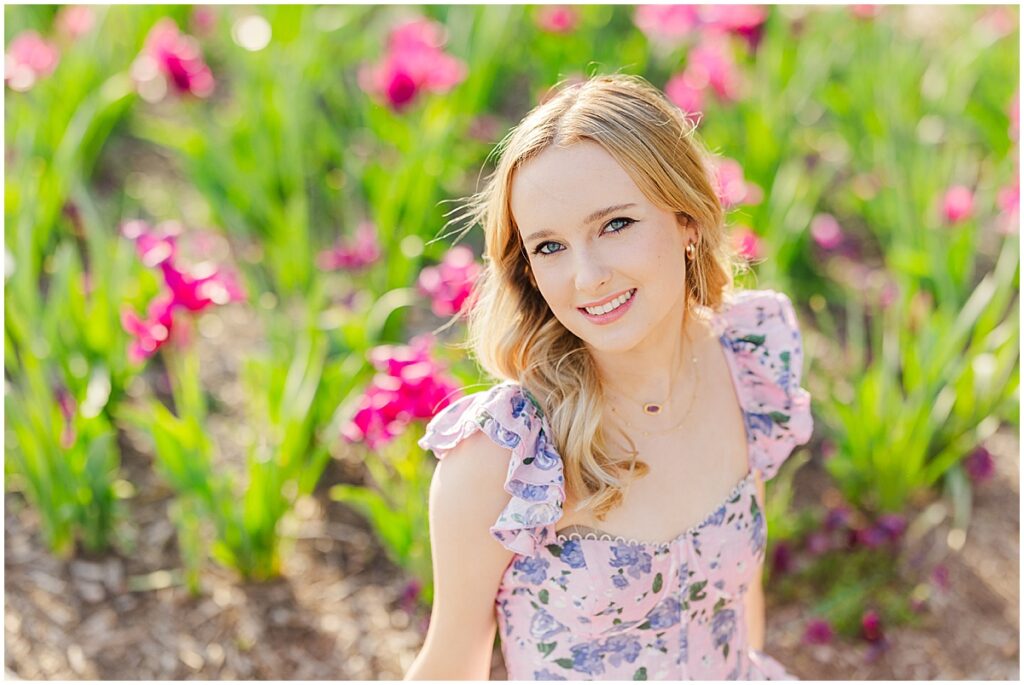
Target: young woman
(602,507)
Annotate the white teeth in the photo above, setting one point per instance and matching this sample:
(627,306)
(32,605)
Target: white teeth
(614,304)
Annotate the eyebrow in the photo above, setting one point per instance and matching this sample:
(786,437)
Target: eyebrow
(589,220)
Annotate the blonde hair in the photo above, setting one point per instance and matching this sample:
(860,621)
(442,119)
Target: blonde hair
(512,332)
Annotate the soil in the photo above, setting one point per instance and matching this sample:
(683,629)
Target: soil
(336,612)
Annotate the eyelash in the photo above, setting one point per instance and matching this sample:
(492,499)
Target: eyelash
(629,222)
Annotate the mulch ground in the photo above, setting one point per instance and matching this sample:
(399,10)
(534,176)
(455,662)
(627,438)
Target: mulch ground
(336,613)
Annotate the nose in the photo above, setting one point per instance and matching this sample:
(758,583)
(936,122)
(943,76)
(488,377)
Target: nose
(592,273)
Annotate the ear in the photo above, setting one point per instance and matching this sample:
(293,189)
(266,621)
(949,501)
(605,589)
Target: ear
(688,226)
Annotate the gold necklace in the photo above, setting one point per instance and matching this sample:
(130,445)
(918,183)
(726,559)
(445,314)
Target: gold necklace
(689,406)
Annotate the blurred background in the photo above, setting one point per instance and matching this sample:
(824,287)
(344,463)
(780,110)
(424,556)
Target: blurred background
(228,277)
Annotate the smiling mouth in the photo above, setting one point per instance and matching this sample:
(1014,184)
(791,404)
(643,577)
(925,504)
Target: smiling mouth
(610,306)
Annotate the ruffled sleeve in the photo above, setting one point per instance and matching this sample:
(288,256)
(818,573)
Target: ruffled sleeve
(763,334)
(510,417)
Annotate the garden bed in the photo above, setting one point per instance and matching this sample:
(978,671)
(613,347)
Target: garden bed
(336,613)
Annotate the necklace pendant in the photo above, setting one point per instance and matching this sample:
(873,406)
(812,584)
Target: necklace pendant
(652,409)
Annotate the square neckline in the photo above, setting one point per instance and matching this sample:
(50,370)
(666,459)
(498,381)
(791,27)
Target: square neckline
(718,325)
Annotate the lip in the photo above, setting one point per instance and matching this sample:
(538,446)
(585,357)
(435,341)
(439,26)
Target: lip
(611,316)
(605,300)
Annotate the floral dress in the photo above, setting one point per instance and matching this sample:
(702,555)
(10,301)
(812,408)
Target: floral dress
(592,606)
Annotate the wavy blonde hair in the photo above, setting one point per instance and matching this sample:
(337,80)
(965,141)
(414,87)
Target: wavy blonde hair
(512,332)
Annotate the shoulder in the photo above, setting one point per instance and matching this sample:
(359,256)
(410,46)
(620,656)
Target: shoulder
(504,430)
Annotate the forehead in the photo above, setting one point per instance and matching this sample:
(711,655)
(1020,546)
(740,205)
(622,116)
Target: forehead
(563,185)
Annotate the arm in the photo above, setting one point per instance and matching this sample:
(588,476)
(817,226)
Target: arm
(754,600)
(467,495)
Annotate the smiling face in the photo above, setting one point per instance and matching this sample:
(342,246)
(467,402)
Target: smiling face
(592,236)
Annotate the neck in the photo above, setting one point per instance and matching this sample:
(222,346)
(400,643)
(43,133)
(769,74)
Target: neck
(659,369)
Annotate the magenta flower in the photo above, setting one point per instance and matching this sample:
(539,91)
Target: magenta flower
(870,537)
(74,21)
(414,62)
(865,11)
(557,18)
(826,232)
(68,407)
(837,518)
(891,526)
(449,284)
(363,251)
(177,57)
(410,594)
(684,95)
(732,188)
(152,332)
(818,543)
(871,625)
(29,58)
(940,577)
(410,385)
(711,63)
(957,204)
(782,558)
(192,289)
(746,21)
(979,465)
(746,242)
(154,245)
(666,24)
(1008,199)
(818,631)
(203,285)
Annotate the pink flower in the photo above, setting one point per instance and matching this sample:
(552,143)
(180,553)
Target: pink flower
(782,558)
(837,518)
(746,21)
(870,537)
(413,63)
(940,577)
(865,11)
(154,245)
(410,595)
(957,204)
(666,24)
(203,285)
(68,408)
(203,20)
(74,21)
(746,242)
(871,625)
(979,465)
(29,58)
(732,188)
(362,252)
(557,18)
(818,543)
(410,385)
(152,332)
(891,526)
(1008,199)
(450,283)
(818,632)
(177,56)
(711,64)
(684,95)
(826,232)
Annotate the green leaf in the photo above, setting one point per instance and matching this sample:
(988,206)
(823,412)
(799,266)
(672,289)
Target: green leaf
(543,596)
(546,648)
(656,587)
(641,673)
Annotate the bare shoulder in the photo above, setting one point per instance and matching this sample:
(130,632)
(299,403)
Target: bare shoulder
(470,482)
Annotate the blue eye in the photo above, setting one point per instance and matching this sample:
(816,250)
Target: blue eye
(539,250)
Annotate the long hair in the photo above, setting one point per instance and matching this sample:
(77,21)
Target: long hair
(512,332)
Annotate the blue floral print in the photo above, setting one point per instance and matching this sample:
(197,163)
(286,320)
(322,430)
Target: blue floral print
(532,569)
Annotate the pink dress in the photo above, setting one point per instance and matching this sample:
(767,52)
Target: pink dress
(580,607)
